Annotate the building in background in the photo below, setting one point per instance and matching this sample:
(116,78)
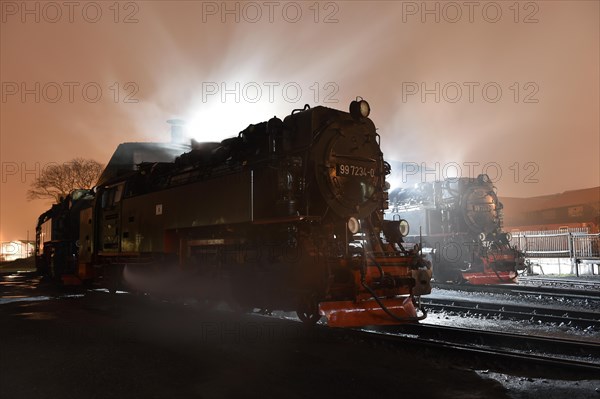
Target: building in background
(576,209)
(13,250)
(559,234)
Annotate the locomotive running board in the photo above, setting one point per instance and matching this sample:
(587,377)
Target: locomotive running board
(490,278)
(368,312)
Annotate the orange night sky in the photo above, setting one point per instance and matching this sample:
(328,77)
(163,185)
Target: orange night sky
(509,87)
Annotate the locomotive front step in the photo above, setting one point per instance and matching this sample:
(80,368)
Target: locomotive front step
(368,312)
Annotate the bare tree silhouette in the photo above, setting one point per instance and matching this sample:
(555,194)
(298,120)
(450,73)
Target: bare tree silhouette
(58,181)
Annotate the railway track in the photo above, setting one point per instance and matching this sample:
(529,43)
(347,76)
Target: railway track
(472,348)
(559,355)
(516,312)
(476,349)
(561,283)
(522,290)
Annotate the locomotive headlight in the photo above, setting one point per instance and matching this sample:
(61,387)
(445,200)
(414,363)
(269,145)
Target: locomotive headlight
(508,236)
(481,237)
(403,228)
(353,225)
(360,109)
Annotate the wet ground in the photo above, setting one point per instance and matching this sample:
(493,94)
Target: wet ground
(94,345)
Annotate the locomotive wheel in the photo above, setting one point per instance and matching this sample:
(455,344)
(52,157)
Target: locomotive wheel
(310,319)
(238,307)
(442,275)
(308,311)
(112,286)
(113,275)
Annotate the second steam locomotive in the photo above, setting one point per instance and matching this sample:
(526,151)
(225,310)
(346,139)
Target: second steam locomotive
(287,215)
(458,222)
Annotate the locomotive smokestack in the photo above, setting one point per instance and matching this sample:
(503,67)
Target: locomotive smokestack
(177,134)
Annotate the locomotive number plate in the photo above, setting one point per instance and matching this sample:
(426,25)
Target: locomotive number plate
(342,169)
(482,208)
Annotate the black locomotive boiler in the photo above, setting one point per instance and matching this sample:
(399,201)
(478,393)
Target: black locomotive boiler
(287,215)
(458,222)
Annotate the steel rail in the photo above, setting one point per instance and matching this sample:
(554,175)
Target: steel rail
(557,282)
(519,312)
(555,353)
(523,290)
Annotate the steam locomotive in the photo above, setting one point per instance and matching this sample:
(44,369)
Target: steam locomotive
(458,222)
(57,237)
(288,215)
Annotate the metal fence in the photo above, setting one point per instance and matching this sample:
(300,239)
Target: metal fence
(574,243)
